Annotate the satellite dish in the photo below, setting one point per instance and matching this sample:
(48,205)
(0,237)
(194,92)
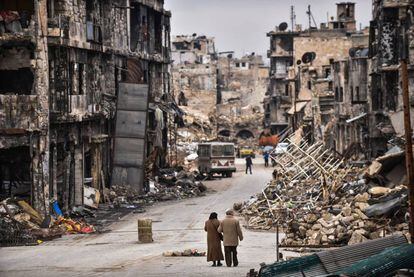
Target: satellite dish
(194,35)
(352,52)
(283,26)
(308,57)
(298,62)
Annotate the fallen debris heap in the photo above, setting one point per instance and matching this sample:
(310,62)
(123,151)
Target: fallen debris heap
(321,201)
(185,253)
(170,185)
(20,224)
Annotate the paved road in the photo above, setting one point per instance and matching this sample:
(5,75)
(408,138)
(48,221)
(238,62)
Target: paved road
(177,226)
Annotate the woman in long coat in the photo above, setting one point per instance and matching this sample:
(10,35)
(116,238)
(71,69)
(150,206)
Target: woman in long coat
(214,252)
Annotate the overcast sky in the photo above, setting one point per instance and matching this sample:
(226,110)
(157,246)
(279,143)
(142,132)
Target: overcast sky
(241,25)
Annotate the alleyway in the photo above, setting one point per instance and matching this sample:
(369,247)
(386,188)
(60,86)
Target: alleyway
(177,226)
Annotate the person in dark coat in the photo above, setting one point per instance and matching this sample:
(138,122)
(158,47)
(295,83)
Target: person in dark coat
(249,164)
(214,251)
(266,158)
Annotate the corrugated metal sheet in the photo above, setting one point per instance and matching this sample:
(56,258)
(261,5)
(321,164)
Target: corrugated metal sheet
(337,259)
(303,266)
(331,261)
(129,149)
(383,264)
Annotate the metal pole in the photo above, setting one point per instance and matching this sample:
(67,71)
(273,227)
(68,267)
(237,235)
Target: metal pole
(277,241)
(408,144)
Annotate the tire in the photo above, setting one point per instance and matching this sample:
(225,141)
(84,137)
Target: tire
(229,174)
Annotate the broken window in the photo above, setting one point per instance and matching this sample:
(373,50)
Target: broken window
(373,46)
(135,26)
(388,41)
(16,74)
(15,15)
(51,8)
(336,94)
(327,72)
(93,21)
(376,93)
(15,178)
(158,32)
(391,88)
(18,81)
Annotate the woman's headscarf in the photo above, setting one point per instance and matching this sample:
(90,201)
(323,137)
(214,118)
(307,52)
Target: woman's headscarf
(213,216)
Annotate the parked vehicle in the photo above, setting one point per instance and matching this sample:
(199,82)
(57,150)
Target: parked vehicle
(246,151)
(216,157)
(278,150)
(281,148)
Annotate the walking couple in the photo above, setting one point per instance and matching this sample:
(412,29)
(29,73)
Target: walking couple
(227,230)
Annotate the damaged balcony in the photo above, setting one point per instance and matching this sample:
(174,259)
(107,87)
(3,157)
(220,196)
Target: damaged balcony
(16,20)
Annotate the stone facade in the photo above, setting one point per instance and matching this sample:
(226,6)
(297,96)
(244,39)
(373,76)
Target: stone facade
(66,61)
(346,84)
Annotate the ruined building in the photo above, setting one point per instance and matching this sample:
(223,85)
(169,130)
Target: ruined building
(85,95)
(243,86)
(388,44)
(219,88)
(344,85)
(300,70)
(369,115)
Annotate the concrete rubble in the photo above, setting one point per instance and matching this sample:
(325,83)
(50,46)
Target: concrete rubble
(23,225)
(170,185)
(185,253)
(318,200)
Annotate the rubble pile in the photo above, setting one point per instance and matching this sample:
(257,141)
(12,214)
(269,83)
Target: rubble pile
(185,253)
(170,185)
(22,225)
(319,200)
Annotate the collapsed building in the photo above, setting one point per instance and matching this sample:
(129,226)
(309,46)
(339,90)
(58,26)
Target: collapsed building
(85,96)
(218,87)
(340,85)
(243,85)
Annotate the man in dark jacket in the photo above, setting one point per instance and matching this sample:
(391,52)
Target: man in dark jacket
(249,164)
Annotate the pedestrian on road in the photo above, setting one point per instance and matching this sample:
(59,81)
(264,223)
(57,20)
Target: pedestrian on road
(249,164)
(214,238)
(230,227)
(266,158)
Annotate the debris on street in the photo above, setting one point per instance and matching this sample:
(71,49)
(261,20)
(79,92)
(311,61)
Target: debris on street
(170,185)
(23,225)
(319,200)
(185,253)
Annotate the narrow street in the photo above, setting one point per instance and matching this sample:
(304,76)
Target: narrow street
(177,226)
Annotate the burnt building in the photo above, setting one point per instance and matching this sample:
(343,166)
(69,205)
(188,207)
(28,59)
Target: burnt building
(391,33)
(85,96)
(279,95)
(300,89)
(350,129)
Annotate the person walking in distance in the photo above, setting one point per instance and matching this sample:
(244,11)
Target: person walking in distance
(214,238)
(249,164)
(232,233)
(266,158)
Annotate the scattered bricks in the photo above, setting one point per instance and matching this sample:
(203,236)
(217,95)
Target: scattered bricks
(321,201)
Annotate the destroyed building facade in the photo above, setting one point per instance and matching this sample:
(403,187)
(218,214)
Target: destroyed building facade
(218,88)
(300,64)
(85,89)
(342,85)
